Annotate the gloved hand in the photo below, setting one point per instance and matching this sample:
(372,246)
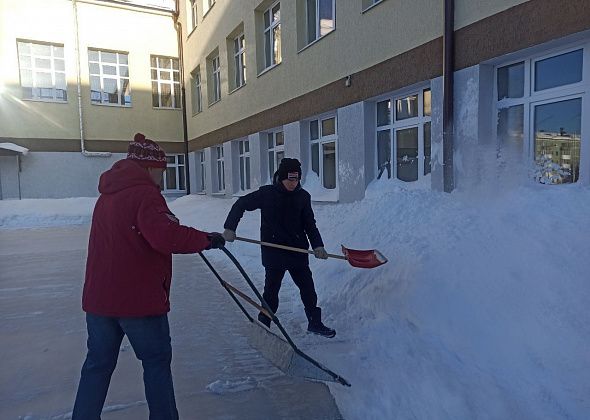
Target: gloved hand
(229,235)
(320,252)
(216,239)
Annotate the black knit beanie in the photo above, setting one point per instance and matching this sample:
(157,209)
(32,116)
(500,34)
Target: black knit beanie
(289,166)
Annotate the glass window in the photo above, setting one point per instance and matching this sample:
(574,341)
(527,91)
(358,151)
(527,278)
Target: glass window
(203,171)
(320,18)
(272,35)
(427,148)
(511,130)
(323,150)
(276,151)
(240,61)
(244,158)
(383,153)
(560,70)
(196,95)
(207,4)
(165,82)
(407,154)
(406,107)
(216,79)
(511,81)
(329,165)
(42,71)
(427,106)
(557,131)
(383,113)
(314,131)
(328,127)
(110,85)
(220,162)
(315,158)
(194,18)
(174,175)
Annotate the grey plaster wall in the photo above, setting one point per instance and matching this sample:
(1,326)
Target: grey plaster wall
(351,152)
(436,177)
(9,182)
(258,160)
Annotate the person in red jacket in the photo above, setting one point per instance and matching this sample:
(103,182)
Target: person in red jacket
(128,275)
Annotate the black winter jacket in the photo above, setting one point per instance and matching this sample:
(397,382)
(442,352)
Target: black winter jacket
(286,219)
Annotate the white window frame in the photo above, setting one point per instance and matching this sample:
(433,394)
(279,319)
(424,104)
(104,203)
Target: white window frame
(196,90)
(207,5)
(275,57)
(369,4)
(275,150)
(394,126)
(240,60)
(194,13)
(158,82)
(244,163)
(318,23)
(119,65)
(531,99)
(216,77)
(178,167)
(321,141)
(42,94)
(220,167)
(202,172)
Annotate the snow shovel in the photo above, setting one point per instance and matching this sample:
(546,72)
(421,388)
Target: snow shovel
(369,258)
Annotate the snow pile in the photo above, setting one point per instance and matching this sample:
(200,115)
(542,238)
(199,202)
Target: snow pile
(481,311)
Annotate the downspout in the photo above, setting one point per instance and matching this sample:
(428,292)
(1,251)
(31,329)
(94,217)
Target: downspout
(79,87)
(448,69)
(178,27)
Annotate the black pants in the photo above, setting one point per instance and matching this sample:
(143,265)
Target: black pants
(301,277)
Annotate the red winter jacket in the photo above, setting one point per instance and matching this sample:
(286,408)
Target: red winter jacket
(132,239)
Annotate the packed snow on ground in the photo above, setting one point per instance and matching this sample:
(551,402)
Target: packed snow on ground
(481,311)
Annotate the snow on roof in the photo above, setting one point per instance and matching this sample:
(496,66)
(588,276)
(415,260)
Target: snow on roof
(14,147)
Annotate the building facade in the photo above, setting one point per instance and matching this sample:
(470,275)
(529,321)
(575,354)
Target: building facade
(354,89)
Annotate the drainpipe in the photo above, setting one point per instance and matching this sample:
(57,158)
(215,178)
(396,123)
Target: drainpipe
(79,83)
(178,27)
(448,68)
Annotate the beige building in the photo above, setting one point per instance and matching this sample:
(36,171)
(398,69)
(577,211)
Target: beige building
(353,88)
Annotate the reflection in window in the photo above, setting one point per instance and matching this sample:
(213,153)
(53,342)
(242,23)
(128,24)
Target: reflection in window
(407,154)
(511,130)
(406,107)
(329,165)
(427,107)
(320,18)
(384,153)
(174,176)
(109,78)
(42,71)
(244,152)
(557,140)
(383,113)
(511,81)
(560,70)
(272,35)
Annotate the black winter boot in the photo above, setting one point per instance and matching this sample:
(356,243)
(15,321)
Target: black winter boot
(264,319)
(315,325)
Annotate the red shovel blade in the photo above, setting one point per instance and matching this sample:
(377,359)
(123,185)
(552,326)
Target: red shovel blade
(369,258)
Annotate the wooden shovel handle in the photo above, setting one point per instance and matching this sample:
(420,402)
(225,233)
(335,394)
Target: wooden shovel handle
(285,247)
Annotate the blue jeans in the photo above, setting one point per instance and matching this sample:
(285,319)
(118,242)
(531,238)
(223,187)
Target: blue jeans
(150,339)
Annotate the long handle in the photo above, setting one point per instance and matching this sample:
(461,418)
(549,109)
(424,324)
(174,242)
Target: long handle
(286,247)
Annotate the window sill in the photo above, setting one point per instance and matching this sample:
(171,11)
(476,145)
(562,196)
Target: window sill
(214,102)
(218,194)
(209,10)
(266,70)
(236,89)
(192,31)
(112,105)
(49,101)
(158,108)
(316,41)
(371,6)
(202,193)
(197,113)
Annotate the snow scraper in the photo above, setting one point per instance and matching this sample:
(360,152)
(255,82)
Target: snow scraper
(282,352)
(369,258)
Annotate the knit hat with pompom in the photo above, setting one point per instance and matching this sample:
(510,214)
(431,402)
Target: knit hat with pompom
(146,152)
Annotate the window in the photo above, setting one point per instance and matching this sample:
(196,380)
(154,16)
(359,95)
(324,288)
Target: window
(220,164)
(42,71)
(244,153)
(322,134)
(194,16)
(272,35)
(239,61)
(403,134)
(207,4)
(276,151)
(109,78)
(215,77)
(174,176)
(539,115)
(196,96)
(367,4)
(320,18)
(165,82)
(202,171)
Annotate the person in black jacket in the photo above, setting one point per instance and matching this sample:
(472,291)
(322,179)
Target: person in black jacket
(286,219)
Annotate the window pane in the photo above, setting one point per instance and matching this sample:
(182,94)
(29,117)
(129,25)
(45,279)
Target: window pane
(407,154)
(59,65)
(123,59)
(315,158)
(166,94)
(24,61)
(276,12)
(125,92)
(314,133)
(110,70)
(43,63)
(108,57)
(41,49)
(328,127)
(383,153)
(427,111)
(92,55)
(406,107)
(280,156)
(557,141)
(329,162)
(171,178)
(427,148)
(326,16)
(280,140)
(271,164)
(311,21)
(181,178)
(277,44)
(180,159)
(247,173)
(383,112)
(558,71)
(24,47)
(267,19)
(242,171)
(511,132)
(511,81)
(58,52)
(155,95)
(26,78)
(267,52)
